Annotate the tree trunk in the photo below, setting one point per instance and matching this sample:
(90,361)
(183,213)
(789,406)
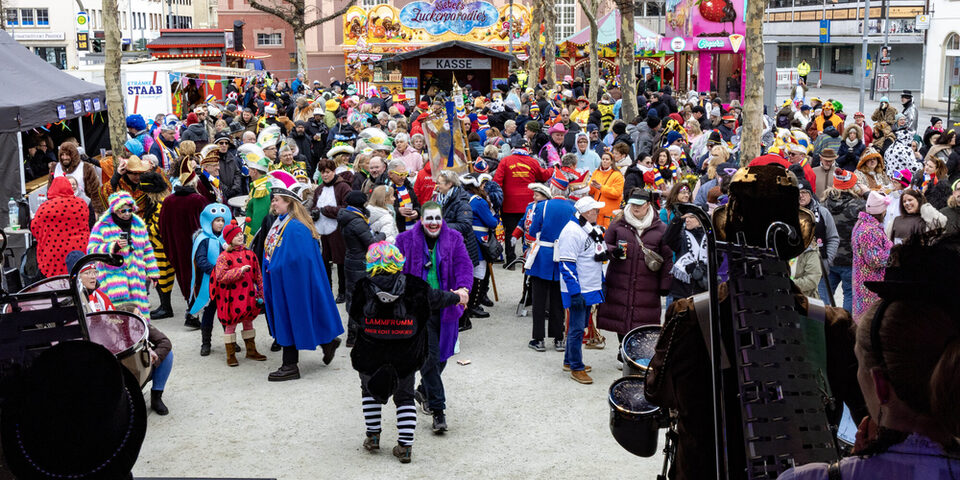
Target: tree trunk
(533,46)
(753,89)
(550,43)
(111,78)
(591,11)
(301,39)
(628,76)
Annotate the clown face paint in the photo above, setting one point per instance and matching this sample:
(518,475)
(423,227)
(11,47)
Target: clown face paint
(432,221)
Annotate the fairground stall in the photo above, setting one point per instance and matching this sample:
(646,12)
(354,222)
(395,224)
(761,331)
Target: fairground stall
(574,51)
(706,39)
(372,36)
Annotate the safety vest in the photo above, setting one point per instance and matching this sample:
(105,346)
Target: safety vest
(803,69)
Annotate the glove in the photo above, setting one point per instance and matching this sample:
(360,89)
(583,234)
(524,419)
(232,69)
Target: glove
(513,242)
(577,301)
(315,215)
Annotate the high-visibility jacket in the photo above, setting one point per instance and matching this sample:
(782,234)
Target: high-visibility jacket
(803,69)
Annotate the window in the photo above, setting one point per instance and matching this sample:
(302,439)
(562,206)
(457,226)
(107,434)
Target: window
(269,39)
(952,43)
(26,17)
(653,9)
(646,9)
(372,3)
(566,18)
(56,56)
(12,18)
(842,60)
(781,3)
(784,60)
(43,16)
(951,66)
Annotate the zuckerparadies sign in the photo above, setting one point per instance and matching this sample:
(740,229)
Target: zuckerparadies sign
(456,16)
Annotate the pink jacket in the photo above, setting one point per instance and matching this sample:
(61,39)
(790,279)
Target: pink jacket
(411,158)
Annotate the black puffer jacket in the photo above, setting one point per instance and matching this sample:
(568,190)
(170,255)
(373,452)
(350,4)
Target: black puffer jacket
(197,133)
(845,207)
(459,216)
(356,238)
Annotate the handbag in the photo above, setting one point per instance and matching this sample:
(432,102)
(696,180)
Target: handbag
(492,249)
(653,259)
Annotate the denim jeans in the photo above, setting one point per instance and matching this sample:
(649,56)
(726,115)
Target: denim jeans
(837,276)
(161,372)
(573,355)
(432,368)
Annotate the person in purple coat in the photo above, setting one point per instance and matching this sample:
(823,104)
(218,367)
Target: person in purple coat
(437,254)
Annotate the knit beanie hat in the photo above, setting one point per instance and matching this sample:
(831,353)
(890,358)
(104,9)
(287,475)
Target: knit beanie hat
(231,231)
(356,199)
(877,203)
(844,179)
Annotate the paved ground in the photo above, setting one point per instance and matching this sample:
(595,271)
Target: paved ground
(512,413)
(850,98)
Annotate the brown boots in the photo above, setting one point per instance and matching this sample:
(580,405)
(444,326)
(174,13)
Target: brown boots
(249,340)
(228,339)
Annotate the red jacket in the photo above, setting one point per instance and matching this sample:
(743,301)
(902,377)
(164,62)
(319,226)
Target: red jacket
(424,185)
(514,173)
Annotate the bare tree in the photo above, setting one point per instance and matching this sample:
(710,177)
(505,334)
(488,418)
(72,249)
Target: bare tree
(628,76)
(591,8)
(550,42)
(533,46)
(111,77)
(753,89)
(294,13)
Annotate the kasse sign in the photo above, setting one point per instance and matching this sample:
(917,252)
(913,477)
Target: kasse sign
(454,64)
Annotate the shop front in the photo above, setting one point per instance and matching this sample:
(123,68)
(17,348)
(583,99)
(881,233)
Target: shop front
(426,44)
(707,43)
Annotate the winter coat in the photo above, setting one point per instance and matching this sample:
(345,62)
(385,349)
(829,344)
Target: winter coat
(126,283)
(905,226)
(382,221)
(871,249)
(458,215)
(91,184)
(845,207)
(848,157)
(807,272)
(611,193)
(633,290)
(900,155)
(60,227)
(937,194)
(825,231)
(410,157)
(424,185)
(179,219)
(881,114)
(357,238)
(632,178)
(453,272)
(953,165)
(515,172)
(644,145)
(196,132)
(952,223)
(332,240)
(829,138)
(231,179)
(415,203)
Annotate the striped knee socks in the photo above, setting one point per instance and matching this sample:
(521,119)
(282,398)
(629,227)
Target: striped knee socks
(371,414)
(406,423)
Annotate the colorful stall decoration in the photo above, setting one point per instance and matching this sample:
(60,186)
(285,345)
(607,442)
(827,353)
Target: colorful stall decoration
(709,35)
(575,49)
(425,23)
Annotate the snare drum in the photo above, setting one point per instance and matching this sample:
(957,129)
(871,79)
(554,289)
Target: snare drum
(58,283)
(638,348)
(634,421)
(125,335)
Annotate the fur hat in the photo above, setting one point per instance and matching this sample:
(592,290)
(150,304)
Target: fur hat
(868,154)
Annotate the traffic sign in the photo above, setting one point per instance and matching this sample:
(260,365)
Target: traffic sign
(824,31)
(923,22)
(83,22)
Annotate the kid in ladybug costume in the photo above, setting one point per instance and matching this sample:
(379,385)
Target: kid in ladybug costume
(237,288)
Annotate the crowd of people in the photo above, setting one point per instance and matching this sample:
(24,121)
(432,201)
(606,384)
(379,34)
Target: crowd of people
(254,203)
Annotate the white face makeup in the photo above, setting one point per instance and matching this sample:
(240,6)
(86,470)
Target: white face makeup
(432,221)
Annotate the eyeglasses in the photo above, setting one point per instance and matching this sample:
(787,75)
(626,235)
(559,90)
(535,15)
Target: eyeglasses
(223,142)
(126,210)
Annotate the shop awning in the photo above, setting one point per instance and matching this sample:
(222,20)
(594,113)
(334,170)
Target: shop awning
(440,46)
(608,31)
(221,71)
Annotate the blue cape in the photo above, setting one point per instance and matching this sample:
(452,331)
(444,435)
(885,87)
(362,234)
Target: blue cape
(299,304)
(207,216)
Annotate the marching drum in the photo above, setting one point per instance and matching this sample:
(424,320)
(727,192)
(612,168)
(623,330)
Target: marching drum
(58,283)
(125,335)
(634,421)
(638,348)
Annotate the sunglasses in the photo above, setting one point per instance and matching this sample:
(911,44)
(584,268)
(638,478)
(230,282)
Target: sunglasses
(223,142)
(126,210)
(401,174)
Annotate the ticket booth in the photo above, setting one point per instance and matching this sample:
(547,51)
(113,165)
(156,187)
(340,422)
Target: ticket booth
(482,68)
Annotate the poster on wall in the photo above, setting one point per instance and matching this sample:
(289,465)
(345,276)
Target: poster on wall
(885,55)
(410,82)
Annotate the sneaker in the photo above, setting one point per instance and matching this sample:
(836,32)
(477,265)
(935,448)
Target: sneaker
(586,368)
(559,345)
(581,377)
(439,422)
(421,400)
(403,452)
(537,345)
(372,442)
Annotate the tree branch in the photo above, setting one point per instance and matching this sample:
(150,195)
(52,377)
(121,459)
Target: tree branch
(336,14)
(278,12)
(586,10)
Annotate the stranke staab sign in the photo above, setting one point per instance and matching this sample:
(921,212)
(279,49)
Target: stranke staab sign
(456,16)
(147,93)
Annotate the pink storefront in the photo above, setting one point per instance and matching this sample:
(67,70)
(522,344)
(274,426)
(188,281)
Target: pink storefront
(707,42)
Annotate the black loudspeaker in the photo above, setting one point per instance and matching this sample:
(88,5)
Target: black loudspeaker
(238,35)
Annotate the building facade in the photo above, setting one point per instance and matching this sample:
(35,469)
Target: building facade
(796,26)
(325,53)
(943,56)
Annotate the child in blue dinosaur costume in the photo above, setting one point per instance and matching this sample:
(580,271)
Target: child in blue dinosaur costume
(207,245)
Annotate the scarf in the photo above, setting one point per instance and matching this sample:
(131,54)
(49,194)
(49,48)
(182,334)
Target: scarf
(123,224)
(851,143)
(403,195)
(659,179)
(929,181)
(360,213)
(640,224)
(696,253)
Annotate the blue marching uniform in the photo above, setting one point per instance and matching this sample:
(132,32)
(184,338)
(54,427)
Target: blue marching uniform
(484,222)
(548,222)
